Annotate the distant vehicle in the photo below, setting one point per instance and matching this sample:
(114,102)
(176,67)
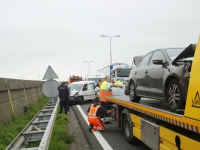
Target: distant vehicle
(81,91)
(95,77)
(74,78)
(162,74)
(117,70)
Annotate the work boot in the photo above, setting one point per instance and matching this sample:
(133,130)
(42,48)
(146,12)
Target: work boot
(90,127)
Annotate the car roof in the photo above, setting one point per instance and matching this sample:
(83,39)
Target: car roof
(82,82)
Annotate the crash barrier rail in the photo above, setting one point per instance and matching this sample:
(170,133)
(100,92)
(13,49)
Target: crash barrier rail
(38,129)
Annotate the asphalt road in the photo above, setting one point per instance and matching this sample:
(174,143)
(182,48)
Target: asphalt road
(112,135)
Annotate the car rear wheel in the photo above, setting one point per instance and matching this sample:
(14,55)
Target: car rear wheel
(174,96)
(133,97)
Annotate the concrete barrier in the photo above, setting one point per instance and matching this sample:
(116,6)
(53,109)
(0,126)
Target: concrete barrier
(15,94)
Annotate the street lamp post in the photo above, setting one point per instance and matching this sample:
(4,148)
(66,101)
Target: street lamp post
(38,77)
(88,64)
(110,45)
(81,73)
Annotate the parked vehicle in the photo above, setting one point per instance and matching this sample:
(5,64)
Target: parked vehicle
(162,74)
(117,70)
(81,91)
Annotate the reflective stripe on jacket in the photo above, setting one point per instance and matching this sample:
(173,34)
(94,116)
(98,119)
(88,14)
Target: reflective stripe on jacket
(104,92)
(93,111)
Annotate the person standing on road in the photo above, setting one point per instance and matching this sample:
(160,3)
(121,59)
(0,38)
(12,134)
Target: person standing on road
(100,83)
(118,82)
(94,112)
(105,90)
(64,97)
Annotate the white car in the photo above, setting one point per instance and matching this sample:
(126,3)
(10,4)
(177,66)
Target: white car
(82,91)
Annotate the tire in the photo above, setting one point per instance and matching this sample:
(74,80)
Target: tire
(81,100)
(127,130)
(174,96)
(132,95)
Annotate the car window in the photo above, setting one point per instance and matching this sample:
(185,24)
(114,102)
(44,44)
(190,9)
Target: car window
(90,86)
(157,55)
(145,60)
(174,52)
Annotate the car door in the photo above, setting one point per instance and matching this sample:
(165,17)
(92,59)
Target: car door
(155,74)
(91,88)
(86,93)
(139,76)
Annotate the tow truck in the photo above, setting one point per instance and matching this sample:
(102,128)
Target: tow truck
(153,124)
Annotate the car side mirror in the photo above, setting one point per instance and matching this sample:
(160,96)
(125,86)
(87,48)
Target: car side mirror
(158,61)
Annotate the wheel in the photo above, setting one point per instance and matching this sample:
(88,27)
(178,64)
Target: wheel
(133,97)
(174,96)
(127,130)
(81,100)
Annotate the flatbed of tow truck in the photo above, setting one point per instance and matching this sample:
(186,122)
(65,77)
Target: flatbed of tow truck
(157,109)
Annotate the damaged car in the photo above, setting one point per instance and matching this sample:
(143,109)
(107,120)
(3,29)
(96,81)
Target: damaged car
(162,74)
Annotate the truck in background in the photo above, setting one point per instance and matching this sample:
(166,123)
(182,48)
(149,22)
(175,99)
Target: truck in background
(74,78)
(95,77)
(117,70)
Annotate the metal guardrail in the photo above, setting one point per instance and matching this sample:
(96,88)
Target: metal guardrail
(38,129)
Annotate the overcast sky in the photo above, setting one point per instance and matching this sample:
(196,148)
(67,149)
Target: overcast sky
(62,33)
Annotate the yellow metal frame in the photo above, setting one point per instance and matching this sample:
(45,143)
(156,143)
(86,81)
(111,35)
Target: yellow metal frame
(192,109)
(178,120)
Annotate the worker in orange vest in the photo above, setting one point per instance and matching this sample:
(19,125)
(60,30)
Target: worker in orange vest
(100,83)
(94,112)
(105,91)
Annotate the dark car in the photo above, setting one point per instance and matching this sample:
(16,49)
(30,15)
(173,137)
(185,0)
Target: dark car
(162,74)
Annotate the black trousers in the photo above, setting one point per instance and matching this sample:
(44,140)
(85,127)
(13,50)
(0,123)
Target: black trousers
(64,104)
(107,106)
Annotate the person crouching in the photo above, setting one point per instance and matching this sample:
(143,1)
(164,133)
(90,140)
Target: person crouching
(94,112)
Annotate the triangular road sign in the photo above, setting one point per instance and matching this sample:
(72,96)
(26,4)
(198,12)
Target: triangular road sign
(50,74)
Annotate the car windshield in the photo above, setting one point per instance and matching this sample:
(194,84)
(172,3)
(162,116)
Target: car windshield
(174,52)
(123,72)
(118,91)
(75,87)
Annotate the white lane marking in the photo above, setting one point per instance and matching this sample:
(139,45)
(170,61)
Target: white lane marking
(97,134)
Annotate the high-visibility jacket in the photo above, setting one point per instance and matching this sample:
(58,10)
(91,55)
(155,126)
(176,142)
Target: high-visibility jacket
(93,111)
(104,92)
(94,120)
(119,82)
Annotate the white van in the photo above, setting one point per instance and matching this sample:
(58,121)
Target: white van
(82,91)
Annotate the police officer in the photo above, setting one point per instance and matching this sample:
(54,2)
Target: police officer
(64,97)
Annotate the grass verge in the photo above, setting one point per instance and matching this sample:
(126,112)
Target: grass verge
(10,131)
(60,138)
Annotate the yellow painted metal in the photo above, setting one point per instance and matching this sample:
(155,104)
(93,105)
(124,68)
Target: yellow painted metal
(10,98)
(137,126)
(192,109)
(178,120)
(168,140)
(25,94)
(34,94)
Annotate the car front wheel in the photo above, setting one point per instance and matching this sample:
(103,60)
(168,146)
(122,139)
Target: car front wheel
(174,96)
(81,100)
(133,97)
